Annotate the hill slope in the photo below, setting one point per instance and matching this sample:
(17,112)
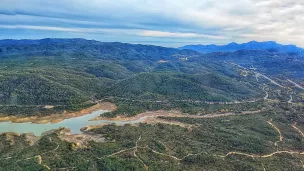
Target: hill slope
(74,71)
(270,63)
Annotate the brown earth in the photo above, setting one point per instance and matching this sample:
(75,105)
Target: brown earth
(172,113)
(151,114)
(79,140)
(55,118)
(151,117)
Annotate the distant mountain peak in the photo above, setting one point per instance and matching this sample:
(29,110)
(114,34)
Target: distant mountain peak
(253,41)
(252,45)
(233,43)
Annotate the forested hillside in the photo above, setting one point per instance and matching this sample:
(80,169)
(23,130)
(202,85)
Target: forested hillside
(73,72)
(200,111)
(286,65)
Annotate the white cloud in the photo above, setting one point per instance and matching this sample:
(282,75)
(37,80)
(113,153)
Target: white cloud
(72,29)
(153,33)
(131,32)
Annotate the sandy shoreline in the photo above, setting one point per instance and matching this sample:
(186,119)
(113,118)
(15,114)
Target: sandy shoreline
(172,113)
(151,116)
(55,118)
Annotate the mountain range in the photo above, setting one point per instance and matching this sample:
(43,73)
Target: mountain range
(252,45)
(194,111)
(67,73)
(270,46)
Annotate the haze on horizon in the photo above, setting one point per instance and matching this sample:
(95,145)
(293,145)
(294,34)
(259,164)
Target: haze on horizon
(159,22)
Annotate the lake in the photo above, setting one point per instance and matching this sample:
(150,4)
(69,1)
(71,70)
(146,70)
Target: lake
(75,124)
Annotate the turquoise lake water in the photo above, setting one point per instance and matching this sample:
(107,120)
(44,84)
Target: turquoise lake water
(75,124)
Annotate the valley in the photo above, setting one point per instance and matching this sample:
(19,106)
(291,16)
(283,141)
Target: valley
(89,105)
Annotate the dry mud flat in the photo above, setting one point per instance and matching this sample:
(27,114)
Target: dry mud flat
(151,117)
(55,118)
(172,113)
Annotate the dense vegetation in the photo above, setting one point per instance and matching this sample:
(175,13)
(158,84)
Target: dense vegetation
(72,72)
(281,65)
(75,73)
(130,107)
(167,147)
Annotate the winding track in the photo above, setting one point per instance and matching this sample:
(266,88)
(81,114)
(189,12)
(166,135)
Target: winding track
(278,130)
(38,157)
(264,156)
(266,94)
(254,156)
(135,155)
(290,100)
(297,129)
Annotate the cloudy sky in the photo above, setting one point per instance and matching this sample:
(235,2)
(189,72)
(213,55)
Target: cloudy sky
(160,22)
